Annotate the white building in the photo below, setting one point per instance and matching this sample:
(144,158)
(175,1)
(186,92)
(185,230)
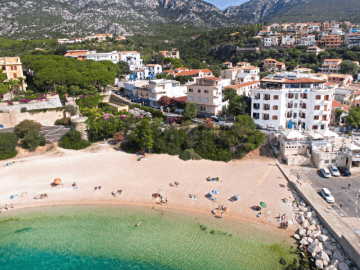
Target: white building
(288,40)
(148,72)
(314,49)
(110,56)
(132,58)
(156,89)
(289,100)
(308,40)
(241,74)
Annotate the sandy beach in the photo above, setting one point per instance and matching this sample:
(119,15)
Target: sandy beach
(255,180)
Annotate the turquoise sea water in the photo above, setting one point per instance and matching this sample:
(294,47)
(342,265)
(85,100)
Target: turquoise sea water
(105,237)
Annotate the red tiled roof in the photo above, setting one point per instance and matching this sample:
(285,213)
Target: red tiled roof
(237,86)
(336,104)
(332,60)
(304,80)
(206,70)
(180,99)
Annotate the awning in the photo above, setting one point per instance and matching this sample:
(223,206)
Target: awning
(292,134)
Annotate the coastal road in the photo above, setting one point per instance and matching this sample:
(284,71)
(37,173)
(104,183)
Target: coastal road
(347,201)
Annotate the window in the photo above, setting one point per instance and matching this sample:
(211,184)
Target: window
(206,100)
(265,117)
(15,67)
(324,118)
(317,107)
(304,105)
(276,97)
(12,68)
(267,97)
(326,97)
(316,117)
(318,97)
(191,90)
(199,90)
(15,75)
(275,107)
(327,161)
(274,117)
(206,91)
(199,99)
(208,110)
(191,98)
(315,127)
(256,115)
(266,107)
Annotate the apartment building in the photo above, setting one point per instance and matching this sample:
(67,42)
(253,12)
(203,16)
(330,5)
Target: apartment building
(274,64)
(207,94)
(314,49)
(331,41)
(331,66)
(307,40)
(291,100)
(272,40)
(77,54)
(173,54)
(288,39)
(243,89)
(148,72)
(119,38)
(102,37)
(241,74)
(132,58)
(156,89)
(352,40)
(12,67)
(341,79)
(101,56)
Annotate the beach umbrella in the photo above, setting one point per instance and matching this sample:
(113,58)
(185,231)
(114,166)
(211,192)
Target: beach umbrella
(57,181)
(237,197)
(263,204)
(215,191)
(161,192)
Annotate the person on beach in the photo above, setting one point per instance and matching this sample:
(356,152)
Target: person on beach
(12,205)
(119,191)
(95,188)
(74,184)
(349,186)
(166,200)
(99,187)
(113,193)
(213,212)
(6,207)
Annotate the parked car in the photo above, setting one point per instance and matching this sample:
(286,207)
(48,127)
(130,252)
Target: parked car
(326,194)
(344,171)
(215,119)
(325,172)
(334,171)
(259,127)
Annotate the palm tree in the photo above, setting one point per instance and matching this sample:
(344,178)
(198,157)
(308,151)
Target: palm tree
(12,83)
(21,82)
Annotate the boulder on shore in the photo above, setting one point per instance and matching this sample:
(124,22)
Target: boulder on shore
(319,264)
(338,256)
(343,266)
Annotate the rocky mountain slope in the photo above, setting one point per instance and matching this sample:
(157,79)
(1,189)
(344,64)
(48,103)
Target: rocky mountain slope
(56,18)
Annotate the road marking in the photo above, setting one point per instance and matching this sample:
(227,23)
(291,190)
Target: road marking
(262,178)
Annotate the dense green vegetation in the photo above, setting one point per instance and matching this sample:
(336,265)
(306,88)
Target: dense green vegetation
(353,118)
(220,144)
(66,75)
(33,139)
(8,143)
(72,140)
(25,126)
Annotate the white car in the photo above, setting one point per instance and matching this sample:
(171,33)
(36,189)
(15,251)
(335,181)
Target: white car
(327,195)
(334,171)
(325,172)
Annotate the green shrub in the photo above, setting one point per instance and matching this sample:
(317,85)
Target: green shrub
(63,121)
(33,139)
(72,140)
(25,126)
(282,261)
(23,109)
(70,109)
(8,142)
(58,109)
(189,154)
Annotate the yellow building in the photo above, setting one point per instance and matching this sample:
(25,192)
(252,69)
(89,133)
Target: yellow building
(12,67)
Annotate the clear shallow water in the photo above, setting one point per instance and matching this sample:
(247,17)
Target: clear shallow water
(105,237)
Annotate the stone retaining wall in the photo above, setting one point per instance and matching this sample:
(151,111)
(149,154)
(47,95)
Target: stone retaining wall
(343,233)
(51,102)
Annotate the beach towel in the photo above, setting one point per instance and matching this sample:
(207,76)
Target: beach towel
(212,199)
(75,187)
(12,197)
(145,159)
(8,164)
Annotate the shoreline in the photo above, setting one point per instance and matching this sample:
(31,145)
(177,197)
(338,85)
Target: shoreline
(255,180)
(243,218)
